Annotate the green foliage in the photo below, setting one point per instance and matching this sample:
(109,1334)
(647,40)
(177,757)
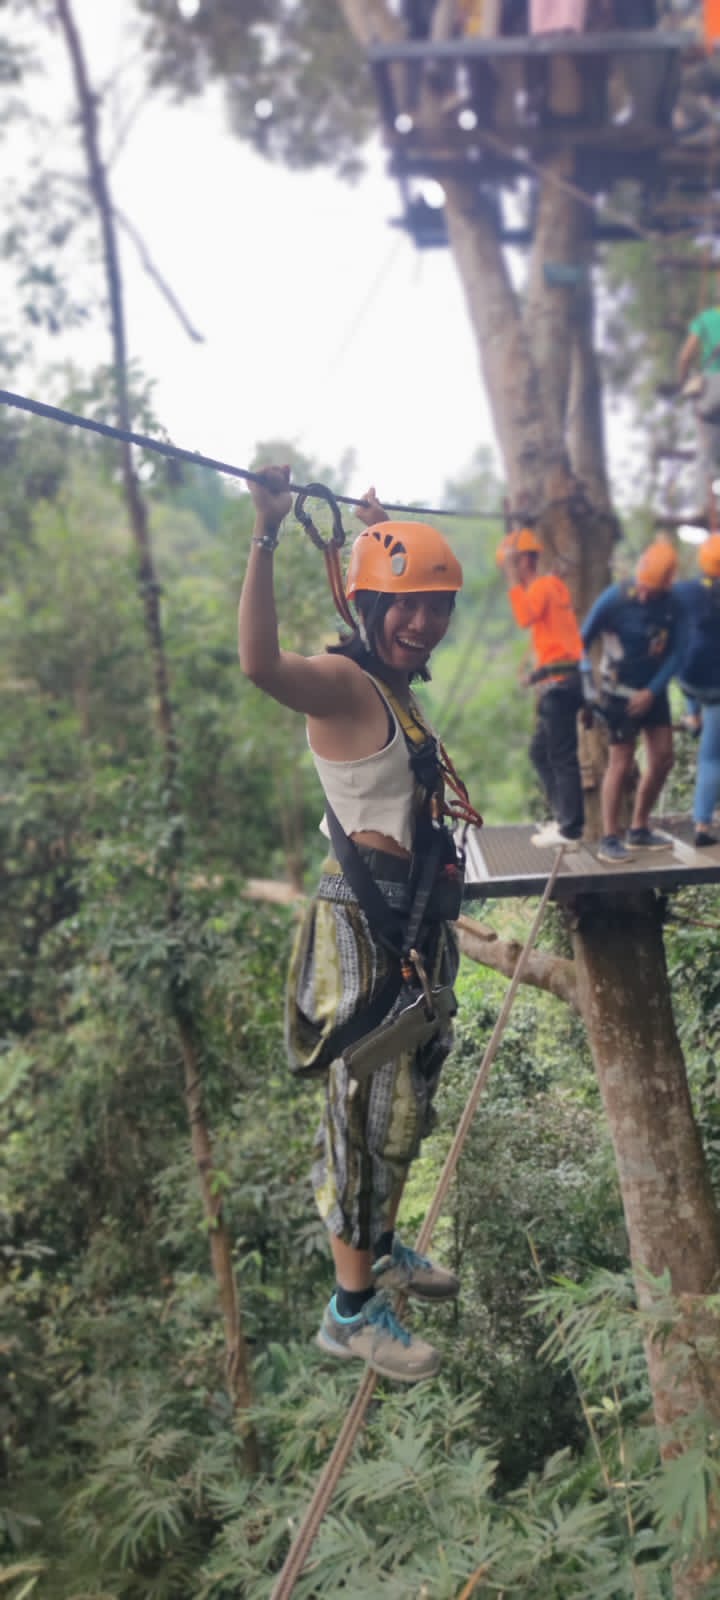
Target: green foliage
(301,58)
(124,1474)
(531,1465)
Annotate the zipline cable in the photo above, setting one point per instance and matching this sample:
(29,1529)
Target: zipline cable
(196,459)
(337,1461)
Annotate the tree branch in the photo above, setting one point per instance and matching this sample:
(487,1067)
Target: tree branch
(153,272)
(553,974)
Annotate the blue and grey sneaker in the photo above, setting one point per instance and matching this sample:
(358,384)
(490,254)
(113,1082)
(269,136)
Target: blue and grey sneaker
(612,849)
(376,1336)
(647,839)
(415,1275)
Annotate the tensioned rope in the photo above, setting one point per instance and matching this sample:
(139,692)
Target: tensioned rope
(162,447)
(494,141)
(337,1461)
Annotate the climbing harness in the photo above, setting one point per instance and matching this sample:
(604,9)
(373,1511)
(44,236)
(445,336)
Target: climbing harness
(335,1466)
(374,1036)
(553,669)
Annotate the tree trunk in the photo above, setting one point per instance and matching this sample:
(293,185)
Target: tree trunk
(221,1244)
(503,343)
(670,1210)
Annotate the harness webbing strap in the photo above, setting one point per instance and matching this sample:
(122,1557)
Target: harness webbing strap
(386,925)
(335,1465)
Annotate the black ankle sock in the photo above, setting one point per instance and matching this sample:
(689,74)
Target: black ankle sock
(383,1245)
(350,1301)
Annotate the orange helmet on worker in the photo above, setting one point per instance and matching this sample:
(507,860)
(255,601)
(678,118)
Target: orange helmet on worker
(521,542)
(657,567)
(709,556)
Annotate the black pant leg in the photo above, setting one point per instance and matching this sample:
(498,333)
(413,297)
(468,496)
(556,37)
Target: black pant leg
(560,706)
(540,756)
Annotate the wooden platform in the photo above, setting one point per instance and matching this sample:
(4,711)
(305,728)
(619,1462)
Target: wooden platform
(494,127)
(485,70)
(502,863)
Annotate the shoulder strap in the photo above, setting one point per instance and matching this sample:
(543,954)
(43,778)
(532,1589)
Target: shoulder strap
(409,718)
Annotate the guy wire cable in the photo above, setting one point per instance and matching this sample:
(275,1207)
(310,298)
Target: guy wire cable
(196,459)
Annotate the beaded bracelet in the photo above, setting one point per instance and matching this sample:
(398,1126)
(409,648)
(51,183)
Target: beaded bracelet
(266,541)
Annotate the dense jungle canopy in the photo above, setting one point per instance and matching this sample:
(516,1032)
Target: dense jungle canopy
(132,1467)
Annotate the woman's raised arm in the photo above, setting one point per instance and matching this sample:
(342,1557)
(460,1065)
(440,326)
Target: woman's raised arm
(318,686)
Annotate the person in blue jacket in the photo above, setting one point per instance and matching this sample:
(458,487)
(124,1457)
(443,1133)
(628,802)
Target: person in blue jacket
(699,674)
(640,625)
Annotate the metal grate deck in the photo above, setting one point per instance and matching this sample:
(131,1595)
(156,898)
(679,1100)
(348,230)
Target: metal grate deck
(501,862)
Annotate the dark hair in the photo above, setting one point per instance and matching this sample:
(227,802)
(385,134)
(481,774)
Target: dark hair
(373,608)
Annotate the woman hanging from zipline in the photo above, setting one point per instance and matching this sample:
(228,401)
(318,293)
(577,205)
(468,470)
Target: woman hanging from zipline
(370,985)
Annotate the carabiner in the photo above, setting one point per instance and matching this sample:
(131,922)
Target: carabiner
(320,491)
(419,966)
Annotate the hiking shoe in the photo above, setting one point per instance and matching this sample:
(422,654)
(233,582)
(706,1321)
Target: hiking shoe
(612,849)
(550,837)
(647,839)
(376,1336)
(703,839)
(415,1275)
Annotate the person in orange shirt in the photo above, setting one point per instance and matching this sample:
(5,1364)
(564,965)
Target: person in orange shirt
(543,604)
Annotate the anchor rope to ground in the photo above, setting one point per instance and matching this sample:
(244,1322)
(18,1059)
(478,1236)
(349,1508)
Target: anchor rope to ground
(337,1461)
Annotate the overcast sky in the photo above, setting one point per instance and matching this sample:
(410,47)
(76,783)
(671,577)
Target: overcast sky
(322,324)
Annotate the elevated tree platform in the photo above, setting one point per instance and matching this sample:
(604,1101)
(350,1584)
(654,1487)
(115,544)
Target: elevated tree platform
(504,85)
(485,110)
(502,863)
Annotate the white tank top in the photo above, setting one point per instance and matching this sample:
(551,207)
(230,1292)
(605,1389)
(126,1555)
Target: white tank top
(374,793)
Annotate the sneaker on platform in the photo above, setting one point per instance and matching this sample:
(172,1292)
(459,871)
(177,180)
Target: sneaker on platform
(415,1275)
(612,849)
(551,837)
(647,839)
(376,1336)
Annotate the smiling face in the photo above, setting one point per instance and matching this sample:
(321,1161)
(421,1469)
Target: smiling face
(413,625)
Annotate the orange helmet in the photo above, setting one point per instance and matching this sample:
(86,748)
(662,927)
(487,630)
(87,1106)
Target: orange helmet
(520,543)
(709,556)
(526,543)
(657,565)
(402,558)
